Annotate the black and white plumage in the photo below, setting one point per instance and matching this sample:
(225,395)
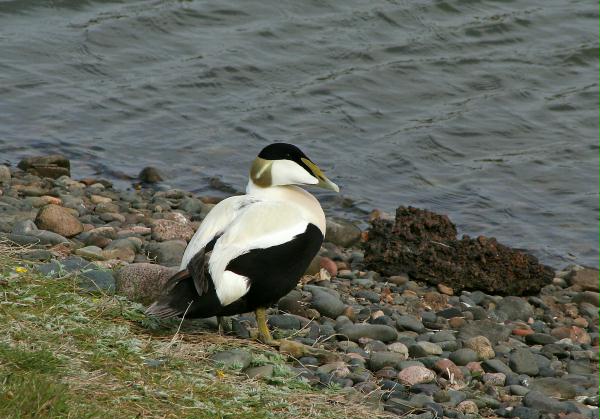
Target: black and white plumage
(251,250)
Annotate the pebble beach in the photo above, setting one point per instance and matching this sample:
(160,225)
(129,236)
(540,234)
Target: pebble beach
(411,348)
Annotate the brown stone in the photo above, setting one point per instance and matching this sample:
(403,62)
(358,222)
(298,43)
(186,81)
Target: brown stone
(456,322)
(448,369)
(444,289)
(52,166)
(482,346)
(329,265)
(142,282)
(474,367)
(435,301)
(424,245)
(576,334)
(586,279)
(164,230)
(467,407)
(59,220)
(416,374)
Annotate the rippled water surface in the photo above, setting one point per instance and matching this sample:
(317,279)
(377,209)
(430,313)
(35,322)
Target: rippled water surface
(484,110)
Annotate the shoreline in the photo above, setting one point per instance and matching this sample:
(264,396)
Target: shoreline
(418,347)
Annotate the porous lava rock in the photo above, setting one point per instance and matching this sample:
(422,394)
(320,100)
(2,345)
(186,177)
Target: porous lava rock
(423,244)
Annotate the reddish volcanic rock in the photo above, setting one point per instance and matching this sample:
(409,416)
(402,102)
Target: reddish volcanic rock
(424,245)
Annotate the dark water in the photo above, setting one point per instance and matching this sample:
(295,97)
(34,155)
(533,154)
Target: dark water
(484,110)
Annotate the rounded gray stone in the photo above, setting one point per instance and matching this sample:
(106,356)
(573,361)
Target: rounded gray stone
(522,361)
(234,358)
(463,356)
(373,331)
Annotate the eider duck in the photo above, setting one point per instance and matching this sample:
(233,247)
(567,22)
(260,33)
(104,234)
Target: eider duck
(251,250)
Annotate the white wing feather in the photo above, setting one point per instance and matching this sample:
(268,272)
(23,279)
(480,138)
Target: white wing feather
(244,223)
(215,223)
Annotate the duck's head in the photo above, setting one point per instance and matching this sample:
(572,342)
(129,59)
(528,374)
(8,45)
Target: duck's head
(285,164)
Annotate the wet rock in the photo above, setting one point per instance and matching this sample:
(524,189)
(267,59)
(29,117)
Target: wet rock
(168,253)
(150,175)
(4,174)
(515,308)
(586,279)
(234,358)
(194,206)
(52,166)
(325,301)
(58,220)
(522,361)
(482,346)
(142,282)
(416,375)
(341,232)
(164,230)
(380,360)
(373,331)
(424,245)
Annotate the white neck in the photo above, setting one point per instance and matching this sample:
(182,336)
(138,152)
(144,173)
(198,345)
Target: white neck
(307,203)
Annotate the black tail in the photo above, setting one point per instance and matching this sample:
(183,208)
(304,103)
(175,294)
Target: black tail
(181,296)
(178,295)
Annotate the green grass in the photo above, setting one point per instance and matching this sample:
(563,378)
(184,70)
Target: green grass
(68,354)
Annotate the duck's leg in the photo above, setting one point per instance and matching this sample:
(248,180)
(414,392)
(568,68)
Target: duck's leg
(220,325)
(263,330)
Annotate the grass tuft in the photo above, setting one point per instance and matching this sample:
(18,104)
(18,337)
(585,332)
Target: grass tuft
(67,354)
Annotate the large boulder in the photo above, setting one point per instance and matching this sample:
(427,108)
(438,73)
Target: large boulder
(424,245)
(52,166)
(142,282)
(58,220)
(586,279)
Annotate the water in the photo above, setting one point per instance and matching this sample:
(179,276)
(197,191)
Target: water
(484,110)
